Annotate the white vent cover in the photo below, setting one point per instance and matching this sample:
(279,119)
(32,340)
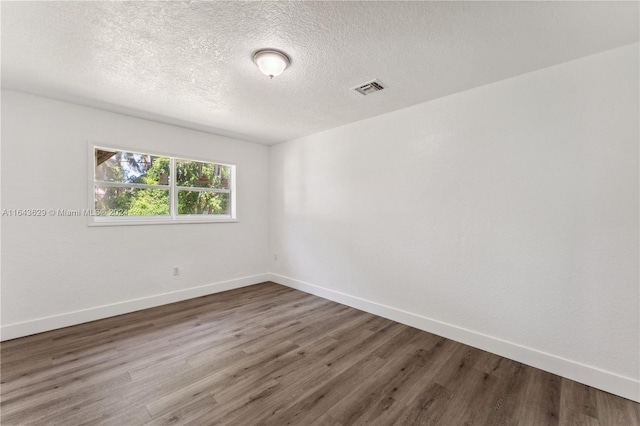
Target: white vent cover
(369,88)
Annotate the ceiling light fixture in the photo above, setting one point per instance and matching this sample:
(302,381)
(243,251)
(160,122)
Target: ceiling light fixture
(271,62)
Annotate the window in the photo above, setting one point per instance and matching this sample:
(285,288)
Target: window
(137,188)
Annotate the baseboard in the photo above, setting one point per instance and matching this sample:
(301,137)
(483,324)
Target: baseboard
(13,331)
(625,387)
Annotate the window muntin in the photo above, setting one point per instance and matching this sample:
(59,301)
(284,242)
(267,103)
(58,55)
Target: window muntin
(132,187)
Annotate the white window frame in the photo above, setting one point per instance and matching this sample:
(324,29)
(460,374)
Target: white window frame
(173,217)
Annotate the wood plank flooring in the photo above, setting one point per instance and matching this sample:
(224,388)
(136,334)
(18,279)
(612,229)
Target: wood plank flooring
(270,355)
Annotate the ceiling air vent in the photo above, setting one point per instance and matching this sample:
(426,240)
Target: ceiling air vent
(369,88)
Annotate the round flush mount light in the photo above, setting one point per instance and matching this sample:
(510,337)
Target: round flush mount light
(271,62)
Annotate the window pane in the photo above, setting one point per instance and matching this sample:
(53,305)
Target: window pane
(202,202)
(131,167)
(202,175)
(131,201)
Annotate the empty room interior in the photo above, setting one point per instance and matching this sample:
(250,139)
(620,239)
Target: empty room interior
(320,213)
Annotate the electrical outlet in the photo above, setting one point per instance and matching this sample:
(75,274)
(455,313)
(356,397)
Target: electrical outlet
(176,270)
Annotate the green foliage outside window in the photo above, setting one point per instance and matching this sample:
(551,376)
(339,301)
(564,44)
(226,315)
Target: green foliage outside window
(202,175)
(124,167)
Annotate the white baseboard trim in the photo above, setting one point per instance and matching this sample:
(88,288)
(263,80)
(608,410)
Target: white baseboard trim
(610,382)
(13,331)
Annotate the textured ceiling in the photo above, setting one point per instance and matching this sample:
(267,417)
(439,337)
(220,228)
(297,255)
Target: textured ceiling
(189,63)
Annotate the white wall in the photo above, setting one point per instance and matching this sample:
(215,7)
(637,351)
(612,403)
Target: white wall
(505,216)
(58,271)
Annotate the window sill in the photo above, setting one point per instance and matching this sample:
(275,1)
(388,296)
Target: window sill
(128,221)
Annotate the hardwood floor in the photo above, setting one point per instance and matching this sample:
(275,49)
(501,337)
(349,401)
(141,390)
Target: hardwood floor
(268,354)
